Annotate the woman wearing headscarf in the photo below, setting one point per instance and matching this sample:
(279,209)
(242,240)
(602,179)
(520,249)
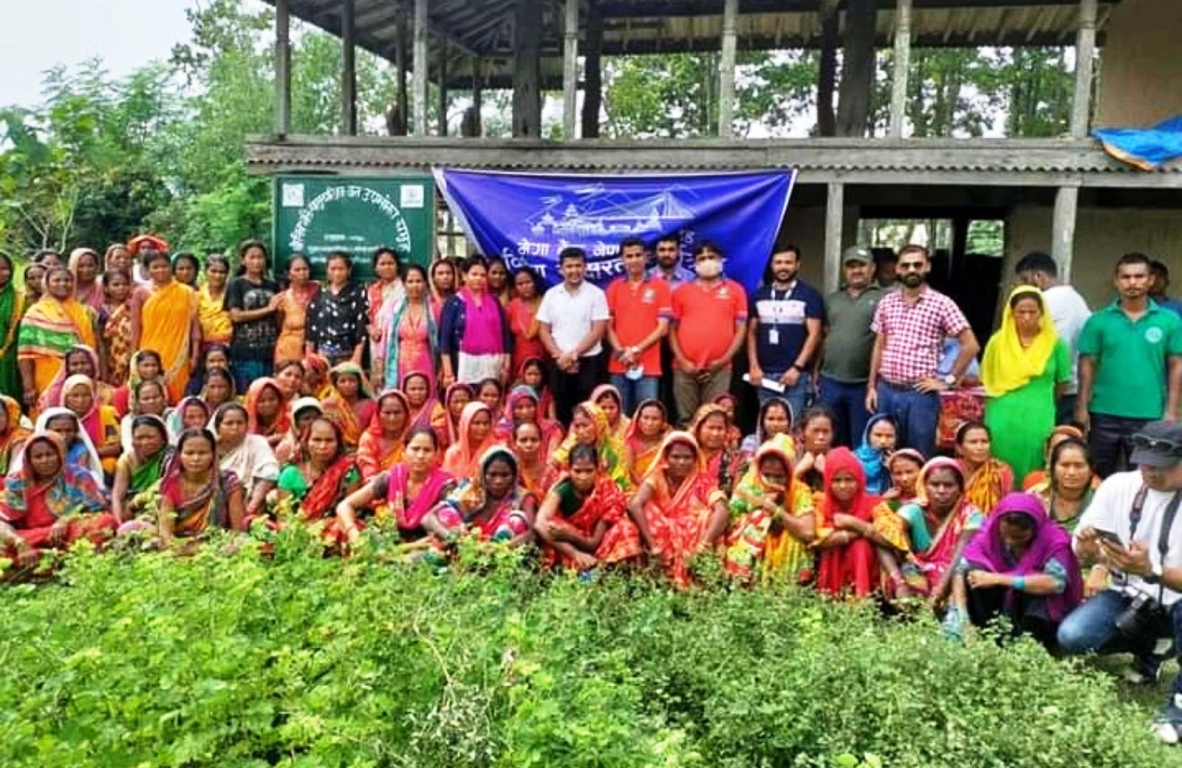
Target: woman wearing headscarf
(1058,435)
(135,489)
(425,409)
(267,414)
(475,437)
(303,411)
(320,478)
(609,400)
(140,248)
(79,360)
(56,322)
(12,434)
(589,426)
(1021,566)
(84,263)
(522,405)
(384,442)
(100,422)
(488,503)
(711,429)
(80,451)
(1026,369)
(878,442)
(351,403)
(12,308)
(49,503)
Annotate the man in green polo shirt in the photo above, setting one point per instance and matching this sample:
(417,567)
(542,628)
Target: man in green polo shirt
(1130,366)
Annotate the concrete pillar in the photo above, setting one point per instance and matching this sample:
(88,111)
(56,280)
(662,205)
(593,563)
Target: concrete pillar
(527,94)
(1085,50)
(420,69)
(348,69)
(834,221)
(282,69)
(726,87)
(1063,229)
(570,69)
(902,68)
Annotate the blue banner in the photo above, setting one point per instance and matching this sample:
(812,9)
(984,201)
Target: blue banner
(528,219)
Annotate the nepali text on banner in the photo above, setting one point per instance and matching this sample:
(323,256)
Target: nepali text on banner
(528,219)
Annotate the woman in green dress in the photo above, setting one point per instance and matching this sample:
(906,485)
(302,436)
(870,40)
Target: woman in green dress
(12,307)
(1025,369)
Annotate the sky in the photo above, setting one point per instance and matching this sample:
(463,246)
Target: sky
(39,34)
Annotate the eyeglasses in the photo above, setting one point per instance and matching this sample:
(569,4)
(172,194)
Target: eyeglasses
(1157,445)
(911,266)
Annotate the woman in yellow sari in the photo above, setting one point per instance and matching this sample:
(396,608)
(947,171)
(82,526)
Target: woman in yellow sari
(56,322)
(216,327)
(165,318)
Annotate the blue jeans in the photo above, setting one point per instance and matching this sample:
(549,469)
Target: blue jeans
(1091,628)
(797,395)
(916,413)
(848,403)
(246,371)
(632,393)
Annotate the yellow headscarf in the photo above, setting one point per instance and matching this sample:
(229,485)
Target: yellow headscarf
(1007,365)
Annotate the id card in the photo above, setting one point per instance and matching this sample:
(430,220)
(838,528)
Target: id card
(773,336)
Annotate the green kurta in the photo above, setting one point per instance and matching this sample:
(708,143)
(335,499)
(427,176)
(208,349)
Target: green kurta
(1021,420)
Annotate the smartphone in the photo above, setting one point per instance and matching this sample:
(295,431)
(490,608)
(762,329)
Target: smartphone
(1109,537)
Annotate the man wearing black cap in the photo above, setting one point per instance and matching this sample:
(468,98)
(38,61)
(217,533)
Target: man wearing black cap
(1131,533)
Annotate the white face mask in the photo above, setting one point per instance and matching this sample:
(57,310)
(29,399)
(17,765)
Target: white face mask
(709,268)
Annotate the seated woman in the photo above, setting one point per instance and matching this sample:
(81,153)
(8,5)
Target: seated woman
(775,418)
(533,375)
(149,398)
(853,527)
(219,389)
(79,360)
(1058,435)
(425,408)
(267,414)
(937,526)
(384,442)
(589,426)
(490,505)
(730,404)
(455,399)
(878,442)
(190,413)
(675,514)
(323,475)
(475,437)
(137,475)
(491,393)
(248,456)
(351,404)
(816,426)
(80,451)
(774,523)
(1021,566)
(711,430)
(213,357)
(12,433)
(646,433)
(608,399)
(531,461)
(196,495)
(409,489)
(986,478)
(1067,493)
(521,406)
(904,465)
(316,383)
(100,422)
(303,410)
(577,513)
(145,366)
(50,504)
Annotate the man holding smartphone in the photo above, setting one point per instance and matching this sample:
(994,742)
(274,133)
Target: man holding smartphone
(1131,533)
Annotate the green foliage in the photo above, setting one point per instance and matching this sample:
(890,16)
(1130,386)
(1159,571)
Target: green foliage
(298,660)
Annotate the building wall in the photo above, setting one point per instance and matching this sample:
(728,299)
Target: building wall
(1141,64)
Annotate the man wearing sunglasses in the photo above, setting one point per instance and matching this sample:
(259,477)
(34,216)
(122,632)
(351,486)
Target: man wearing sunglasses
(1131,536)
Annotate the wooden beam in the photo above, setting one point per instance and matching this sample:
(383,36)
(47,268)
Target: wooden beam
(592,73)
(1085,51)
(570,69)
(420,68)
(282,69)
(834,221)
(348,68)
(1063,229)
(726,86)
(400,43)
(527,95)
(442,53)
(902,68)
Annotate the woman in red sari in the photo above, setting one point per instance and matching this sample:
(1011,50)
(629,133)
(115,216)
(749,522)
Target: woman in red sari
(475,438)
(577,513)
(49,504)
(324,474)
(711,430)
(425,409)
(267,415)
(523,317)
(195,493)
(489,504)
(384,442)
(677,512)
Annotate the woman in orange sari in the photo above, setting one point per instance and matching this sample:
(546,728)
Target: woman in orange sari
(12,434)
(384,442)
(164,318)
(987,480)
(676,513)
(712,431)
(115,320)
(351,404)
(475,437)
(292,308)
(646,432)
(608,399)
(425,409)
(53,324)
(267,415)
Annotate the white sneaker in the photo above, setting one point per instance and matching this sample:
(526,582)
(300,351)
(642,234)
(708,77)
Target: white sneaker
(1167,733)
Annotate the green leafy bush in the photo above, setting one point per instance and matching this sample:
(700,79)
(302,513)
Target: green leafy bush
(298,660)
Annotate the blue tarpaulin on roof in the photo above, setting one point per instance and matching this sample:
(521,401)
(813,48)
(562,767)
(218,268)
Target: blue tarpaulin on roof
(1145,148)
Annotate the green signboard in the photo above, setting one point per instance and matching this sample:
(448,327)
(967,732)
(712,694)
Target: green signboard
(315,215)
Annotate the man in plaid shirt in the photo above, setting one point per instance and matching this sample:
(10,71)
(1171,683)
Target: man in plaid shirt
(910,326)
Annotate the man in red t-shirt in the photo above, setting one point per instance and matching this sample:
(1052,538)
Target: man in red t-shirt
(702,350)
(640,310)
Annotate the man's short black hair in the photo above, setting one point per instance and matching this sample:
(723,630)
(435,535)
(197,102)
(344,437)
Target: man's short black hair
(670,238)
(1037,261)
(632,242)
(572,253)
(1158,269)
(707,245)
(1130,259)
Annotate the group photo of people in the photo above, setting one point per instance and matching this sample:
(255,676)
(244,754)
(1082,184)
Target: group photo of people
(1033,476)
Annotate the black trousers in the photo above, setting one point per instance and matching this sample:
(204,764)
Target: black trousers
(1026,613)
(570,389)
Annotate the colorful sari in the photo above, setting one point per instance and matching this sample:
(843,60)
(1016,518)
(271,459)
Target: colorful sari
(619,427)
(350,417)
(32,508)
(375,451)
(463,459)
(431,414)
(80,452)
(453,428)
(144,476)
(1046,493)
(12,307)
(288,449)
(757,542)
(878,474)
(988,484)
(14,435)
(101,422)
(175,419)
(469,508)
(104,393)
(208,508)
(282,421)
(411,344)
(641,456)
(605,503)
(551,430)
(612,454)
(933,540)
(90,295)
(294,307)
(48,329)
(723,465)
(678,518)
(117,343)
(318,364)
(166,321)
(383,301)
(750,444)
(317,499)
(408,514)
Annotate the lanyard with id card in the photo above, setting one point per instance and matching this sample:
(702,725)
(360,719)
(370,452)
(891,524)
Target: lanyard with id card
(773,334)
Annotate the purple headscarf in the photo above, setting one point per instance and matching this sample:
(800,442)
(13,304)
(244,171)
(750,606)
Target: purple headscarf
(987,551)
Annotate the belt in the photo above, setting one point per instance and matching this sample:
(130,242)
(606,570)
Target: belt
(897,387)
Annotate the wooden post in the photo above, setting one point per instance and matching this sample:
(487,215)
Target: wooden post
(442,87)
(902,67)
(1085,50)
(726,86)
(400,57)
(477,96)
(527,96)
(1063,229)
(592,72)
(570,70)
(348,70)
(834,219)
(420,69)
(282,69)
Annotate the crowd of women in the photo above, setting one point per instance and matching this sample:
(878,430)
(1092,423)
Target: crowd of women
(145,403)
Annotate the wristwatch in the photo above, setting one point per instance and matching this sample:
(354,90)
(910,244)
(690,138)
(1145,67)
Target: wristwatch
(950,380)
(1154,576)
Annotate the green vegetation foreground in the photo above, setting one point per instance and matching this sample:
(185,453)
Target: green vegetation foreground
(241,660)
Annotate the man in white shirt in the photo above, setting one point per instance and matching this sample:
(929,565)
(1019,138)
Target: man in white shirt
(1132,533)
(571,322)
(1068,312)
